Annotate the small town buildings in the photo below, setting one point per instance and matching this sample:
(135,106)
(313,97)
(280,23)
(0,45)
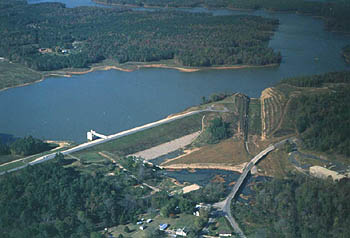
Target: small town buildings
(142,228)
(149,220)
(163,227)
(181,232)
(225,234)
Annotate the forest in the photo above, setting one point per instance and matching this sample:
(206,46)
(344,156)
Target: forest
(299,206)
(49,36)
(336,12)
(24,146)
(54,199)
(322,118)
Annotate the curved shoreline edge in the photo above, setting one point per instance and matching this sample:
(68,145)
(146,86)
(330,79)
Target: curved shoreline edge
(133,68)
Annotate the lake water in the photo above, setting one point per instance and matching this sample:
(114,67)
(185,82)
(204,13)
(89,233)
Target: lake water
(112,101)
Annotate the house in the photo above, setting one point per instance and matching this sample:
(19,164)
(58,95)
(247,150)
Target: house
(149,220)
(139,223)
(181,232)
(162,227)
(225,234)
(142,228)
(45,50)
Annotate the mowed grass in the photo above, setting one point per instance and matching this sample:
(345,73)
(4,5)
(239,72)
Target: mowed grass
(150,137)
(230,151)
(12,74)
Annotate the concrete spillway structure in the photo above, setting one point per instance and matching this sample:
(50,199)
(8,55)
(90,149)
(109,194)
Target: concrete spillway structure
(91,135)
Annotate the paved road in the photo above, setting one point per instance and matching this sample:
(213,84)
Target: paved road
(225,205)
(116,136)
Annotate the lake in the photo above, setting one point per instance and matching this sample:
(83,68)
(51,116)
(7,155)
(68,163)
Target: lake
(112,101)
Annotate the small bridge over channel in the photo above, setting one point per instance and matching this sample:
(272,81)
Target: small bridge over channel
(225,205)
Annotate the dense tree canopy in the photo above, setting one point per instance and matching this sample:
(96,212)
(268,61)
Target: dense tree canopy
(322,117)
(336,12)
(24,146)
(48,36)
(49,200)
(299,206)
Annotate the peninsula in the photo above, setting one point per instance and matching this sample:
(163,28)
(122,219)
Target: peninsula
(53,37)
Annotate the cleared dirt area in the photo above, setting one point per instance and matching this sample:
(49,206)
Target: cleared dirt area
(166,148)
(323,173)
(237,168)
(191,188)
(229,151)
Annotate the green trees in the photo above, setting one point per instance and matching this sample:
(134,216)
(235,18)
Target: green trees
(28,146)
(335,12)
(4,149)
(93,34)
(218,130)
(322,117)
(49,200)
(24,146)
(300,206)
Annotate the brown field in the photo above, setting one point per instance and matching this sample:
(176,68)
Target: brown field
(229,151)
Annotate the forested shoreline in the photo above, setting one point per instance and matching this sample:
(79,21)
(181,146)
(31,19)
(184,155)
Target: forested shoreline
(49,36)
(335,13)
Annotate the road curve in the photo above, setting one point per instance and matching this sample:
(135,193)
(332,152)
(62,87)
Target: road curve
(225,205)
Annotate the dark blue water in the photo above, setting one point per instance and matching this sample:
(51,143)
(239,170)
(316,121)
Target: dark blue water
(112,101)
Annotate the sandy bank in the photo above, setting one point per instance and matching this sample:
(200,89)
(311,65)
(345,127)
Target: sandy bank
(237,168)
(132,68)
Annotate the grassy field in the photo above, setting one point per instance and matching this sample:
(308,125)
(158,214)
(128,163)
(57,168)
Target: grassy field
(12,74)
(150,137)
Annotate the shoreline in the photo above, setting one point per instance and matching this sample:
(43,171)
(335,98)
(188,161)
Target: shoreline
(70,73)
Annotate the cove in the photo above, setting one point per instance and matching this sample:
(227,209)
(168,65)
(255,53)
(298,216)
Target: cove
(113,101)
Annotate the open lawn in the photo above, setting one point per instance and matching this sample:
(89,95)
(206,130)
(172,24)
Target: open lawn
(150,137)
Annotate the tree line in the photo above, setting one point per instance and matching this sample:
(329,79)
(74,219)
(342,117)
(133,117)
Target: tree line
(298,206)
(24,146)
(336,13)
(55,200)
(78,37)
(322,117)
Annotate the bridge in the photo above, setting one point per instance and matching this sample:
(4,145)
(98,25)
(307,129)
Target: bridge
(225,206)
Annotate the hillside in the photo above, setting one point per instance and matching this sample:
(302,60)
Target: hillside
(314,111)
